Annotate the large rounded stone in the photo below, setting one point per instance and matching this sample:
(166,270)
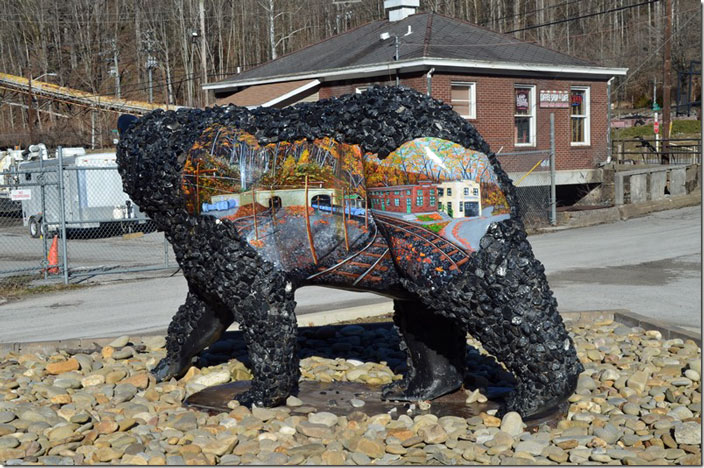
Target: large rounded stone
(512,423)
(689,433)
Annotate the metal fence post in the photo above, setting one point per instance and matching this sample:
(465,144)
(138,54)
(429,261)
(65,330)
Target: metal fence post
(43,232)
(553,195)
(62,210)
(166,252)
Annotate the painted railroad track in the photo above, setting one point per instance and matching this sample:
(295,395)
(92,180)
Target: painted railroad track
(246,223)
(450,252)
(367,264)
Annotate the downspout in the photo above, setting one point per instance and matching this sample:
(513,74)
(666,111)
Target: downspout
(429,78)
(608,120)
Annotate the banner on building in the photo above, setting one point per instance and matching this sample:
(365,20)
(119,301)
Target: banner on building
(522,100)
(552,98)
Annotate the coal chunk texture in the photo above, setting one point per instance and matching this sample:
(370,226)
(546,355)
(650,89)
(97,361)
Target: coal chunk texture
(501,297)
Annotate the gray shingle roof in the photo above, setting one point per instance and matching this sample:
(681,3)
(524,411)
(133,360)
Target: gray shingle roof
(433,36)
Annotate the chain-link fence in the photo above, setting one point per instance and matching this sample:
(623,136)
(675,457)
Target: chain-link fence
(530,172)
(65,218)
(533,175)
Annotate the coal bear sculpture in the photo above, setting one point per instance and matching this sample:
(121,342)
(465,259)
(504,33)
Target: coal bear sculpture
(387,191)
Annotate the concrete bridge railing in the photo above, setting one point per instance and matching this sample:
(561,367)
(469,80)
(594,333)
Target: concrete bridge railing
(648,184)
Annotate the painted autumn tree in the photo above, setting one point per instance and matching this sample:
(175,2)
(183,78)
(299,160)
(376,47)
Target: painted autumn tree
(207,171)
(431,159)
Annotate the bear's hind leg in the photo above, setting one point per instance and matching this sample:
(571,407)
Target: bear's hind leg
(195,326)
(268,323)
(435,348)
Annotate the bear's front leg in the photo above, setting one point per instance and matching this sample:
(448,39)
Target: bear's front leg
(268,323)
(195,326)
(516,319)
(435,347)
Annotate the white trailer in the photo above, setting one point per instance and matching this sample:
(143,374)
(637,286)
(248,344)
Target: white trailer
(92,195)
(9,161)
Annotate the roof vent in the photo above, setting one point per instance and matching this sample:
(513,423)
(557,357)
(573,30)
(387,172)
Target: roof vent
(400,9)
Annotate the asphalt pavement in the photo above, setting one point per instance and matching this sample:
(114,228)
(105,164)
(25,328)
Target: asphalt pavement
(649,265)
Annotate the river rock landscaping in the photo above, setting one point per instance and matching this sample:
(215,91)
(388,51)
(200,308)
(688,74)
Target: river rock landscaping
(637,402)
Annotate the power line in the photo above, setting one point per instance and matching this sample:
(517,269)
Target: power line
(573,18)
(526,13)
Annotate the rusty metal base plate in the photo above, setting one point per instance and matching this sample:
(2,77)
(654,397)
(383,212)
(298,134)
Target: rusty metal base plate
(336,397)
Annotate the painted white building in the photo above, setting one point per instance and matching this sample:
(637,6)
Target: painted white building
(460,198)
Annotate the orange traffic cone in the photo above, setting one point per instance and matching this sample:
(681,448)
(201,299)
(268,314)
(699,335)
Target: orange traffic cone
(53,257)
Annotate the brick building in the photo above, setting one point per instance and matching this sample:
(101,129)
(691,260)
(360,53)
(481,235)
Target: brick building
(507,88)
(404,199)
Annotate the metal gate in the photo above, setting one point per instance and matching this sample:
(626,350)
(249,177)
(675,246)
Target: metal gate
(66,218)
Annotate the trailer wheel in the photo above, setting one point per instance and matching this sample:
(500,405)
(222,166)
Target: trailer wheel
(35,227)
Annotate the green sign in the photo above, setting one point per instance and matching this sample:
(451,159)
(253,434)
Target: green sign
(656,107)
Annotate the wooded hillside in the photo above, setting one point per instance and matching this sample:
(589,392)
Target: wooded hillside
(89,44)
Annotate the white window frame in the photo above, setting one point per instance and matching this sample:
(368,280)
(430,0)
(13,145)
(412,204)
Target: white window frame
(531,114)
(471,98)
(586,116)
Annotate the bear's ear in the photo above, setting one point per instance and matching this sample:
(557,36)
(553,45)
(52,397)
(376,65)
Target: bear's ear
(124,122)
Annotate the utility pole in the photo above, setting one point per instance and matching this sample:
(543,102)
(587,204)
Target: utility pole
(150,64)
(113,64)
(665,159)
(656,122)
(203,52)
(116,70)
(30,107)
(396,56)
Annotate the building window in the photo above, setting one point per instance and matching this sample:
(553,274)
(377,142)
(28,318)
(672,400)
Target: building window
(466,191)
(431,191)
(441,192)
(440,206)
(524,116)
(464,99)
(449,192)
(395,192)
(361,89)
(579,115)
(408,192)
(432,201)
(420,192)
(419,201)
(461,207)
(396,202)
(475,192)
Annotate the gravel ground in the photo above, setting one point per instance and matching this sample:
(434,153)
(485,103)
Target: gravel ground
(638,402)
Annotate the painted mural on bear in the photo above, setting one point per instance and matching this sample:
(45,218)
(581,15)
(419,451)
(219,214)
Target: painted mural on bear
(388,191)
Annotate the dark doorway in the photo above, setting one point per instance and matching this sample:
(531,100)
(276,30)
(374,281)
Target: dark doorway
(321,200)
(471,209)
(275,203)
